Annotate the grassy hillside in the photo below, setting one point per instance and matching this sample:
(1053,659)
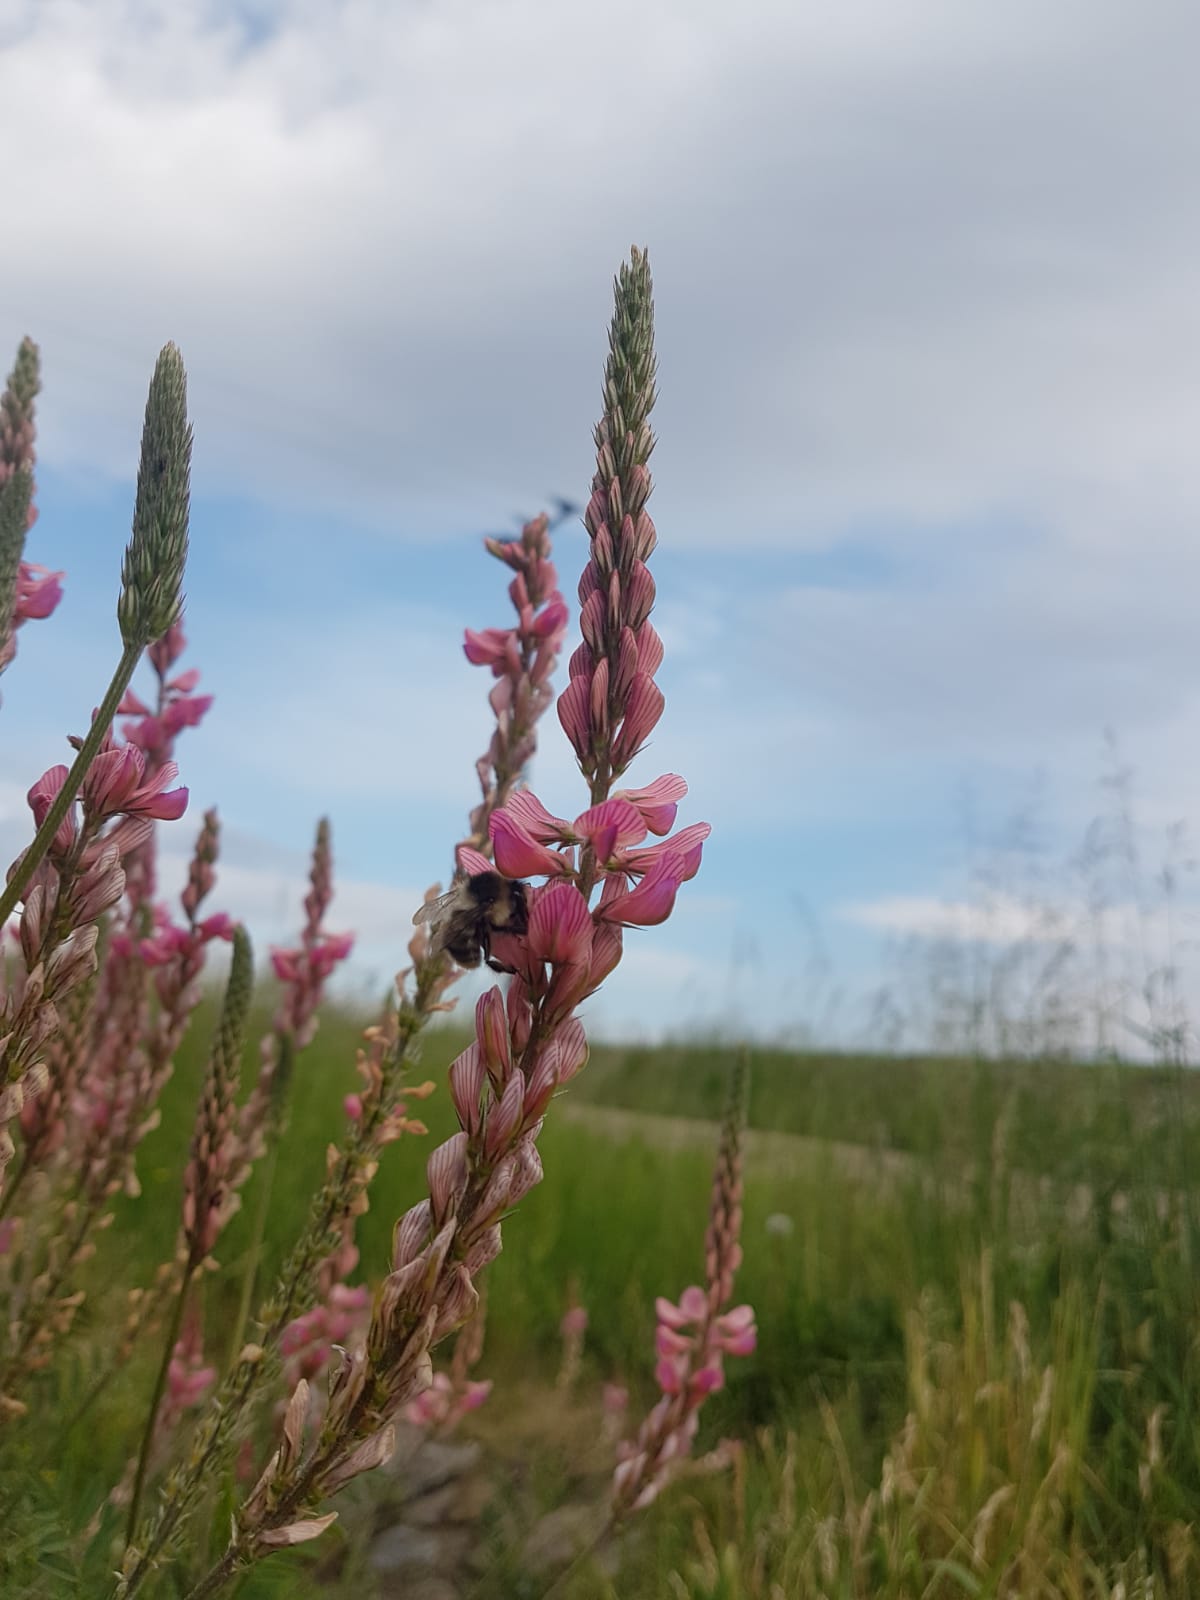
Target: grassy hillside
(902,1435)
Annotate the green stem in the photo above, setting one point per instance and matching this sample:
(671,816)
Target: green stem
(160,1383)
(255,1253)
(34,856)
(276,1119)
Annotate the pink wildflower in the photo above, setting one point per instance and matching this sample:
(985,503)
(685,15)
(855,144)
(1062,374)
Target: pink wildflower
(694,1335)
(117,784)
(38,593)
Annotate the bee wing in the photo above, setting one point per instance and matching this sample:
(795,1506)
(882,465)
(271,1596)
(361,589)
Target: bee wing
(433,909)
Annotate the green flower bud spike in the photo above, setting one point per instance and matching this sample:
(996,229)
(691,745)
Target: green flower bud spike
(151,581)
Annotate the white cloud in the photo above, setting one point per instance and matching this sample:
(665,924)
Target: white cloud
(915,261)
(999,920)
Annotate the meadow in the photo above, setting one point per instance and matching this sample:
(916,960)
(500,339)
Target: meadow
(976,1371)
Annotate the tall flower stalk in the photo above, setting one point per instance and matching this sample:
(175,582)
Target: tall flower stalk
(600,876)
(695,1335)
(26,591)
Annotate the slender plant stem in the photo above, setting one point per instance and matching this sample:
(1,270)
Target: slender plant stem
(160,1383)
(34,856)
(250,1278)
(559,1581)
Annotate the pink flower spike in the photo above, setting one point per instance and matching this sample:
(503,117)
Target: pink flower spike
(353,1107)
(651,902)
(657,802)
(520,856)
(560,925)
(537,822)
(131,706)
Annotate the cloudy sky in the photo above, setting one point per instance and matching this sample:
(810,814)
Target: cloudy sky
(928,489)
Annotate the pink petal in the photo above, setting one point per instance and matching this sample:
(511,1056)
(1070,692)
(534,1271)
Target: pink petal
(643,708)
(560,925)
(618,819)
(573,704)
(669,1380)
(650,649)
(491,1030)
(466,1087)
(651,902)
(672,1315)
(686,846)
(167,807)
(573,1049)
(472,862)
(657,802)
(518,855)
(537,822)
(735,1321)
(550,620)
(488,647)
(693,1302)
(638,595)
(707,1381)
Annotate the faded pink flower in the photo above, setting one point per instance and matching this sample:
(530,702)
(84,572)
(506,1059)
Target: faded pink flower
(38,593)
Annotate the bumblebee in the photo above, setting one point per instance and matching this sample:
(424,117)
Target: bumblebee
(463,920)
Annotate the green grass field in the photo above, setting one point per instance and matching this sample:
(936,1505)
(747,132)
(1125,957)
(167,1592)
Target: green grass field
(977,1363)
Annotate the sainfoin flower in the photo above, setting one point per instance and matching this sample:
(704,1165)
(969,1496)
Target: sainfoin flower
(38,592)
(118,784)
(694,1335)
(601,876)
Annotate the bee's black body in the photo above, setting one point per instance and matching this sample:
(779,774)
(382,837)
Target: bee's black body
(477,907)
